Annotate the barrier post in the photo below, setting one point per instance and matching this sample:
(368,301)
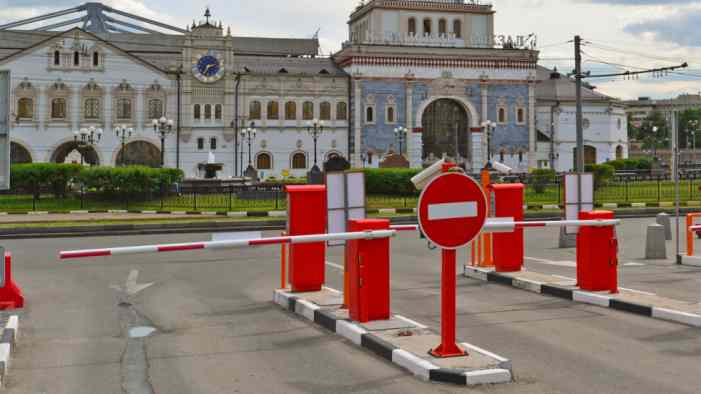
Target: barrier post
(448,347)
(306,215)
(597,254)
(508,251)
(283,268)
(10,294)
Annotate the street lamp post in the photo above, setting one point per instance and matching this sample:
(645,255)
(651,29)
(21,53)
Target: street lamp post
(488,126)
(123,134)
(162,127)
(86,137)
(400,133)
(315,128)
(248,135)
(693,127)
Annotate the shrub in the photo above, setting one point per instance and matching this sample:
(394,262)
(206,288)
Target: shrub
(37,176)
(602,173)
(391,181)
(129,181)
(541,177)
(631,164)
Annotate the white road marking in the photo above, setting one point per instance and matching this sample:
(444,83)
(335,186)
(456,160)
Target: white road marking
(570,264)
(631,264)
(453,210)
(337,266)
(131,287)
(564,277)
(637,291)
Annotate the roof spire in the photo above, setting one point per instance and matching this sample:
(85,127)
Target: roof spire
(207,14)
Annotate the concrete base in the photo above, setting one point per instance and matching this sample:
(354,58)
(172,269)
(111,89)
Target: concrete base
(691,261)
(639,303)
(655,244)
(402,341)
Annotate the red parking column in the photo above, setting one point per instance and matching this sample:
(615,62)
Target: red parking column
(306,214)
(508,248)
(597,254)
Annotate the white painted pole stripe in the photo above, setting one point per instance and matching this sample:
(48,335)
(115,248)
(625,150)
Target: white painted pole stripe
(453,210)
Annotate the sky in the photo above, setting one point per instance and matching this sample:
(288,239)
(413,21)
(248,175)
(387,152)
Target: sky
(618,35)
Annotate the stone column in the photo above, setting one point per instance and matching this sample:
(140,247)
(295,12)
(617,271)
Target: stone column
(532,144)
(43,108)
(357,127)
(413,144)
(479,140)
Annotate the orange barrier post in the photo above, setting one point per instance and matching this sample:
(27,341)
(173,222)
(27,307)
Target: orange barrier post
(486,180)
(473,253)
(283,263)
(690,233)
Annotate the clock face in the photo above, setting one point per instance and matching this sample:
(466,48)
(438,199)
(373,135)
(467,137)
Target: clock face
(208,67)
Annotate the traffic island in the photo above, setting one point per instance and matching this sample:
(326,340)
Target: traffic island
(399,340)
(631,301)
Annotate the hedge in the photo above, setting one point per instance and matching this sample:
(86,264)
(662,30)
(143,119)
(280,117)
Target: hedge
(35,177)
(390,181)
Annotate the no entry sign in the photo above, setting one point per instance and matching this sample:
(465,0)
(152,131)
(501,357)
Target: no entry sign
(452,210)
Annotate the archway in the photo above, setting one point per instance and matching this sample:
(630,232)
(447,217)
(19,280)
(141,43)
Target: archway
(19,154)
(589,155)
(62,154)
(445,126)
(139,153)
(619,152)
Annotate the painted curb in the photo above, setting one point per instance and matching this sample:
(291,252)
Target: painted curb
(418,367)
(585,297)
(7,344)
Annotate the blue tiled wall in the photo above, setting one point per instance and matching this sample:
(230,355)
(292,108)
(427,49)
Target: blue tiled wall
(510,136)
(380,136)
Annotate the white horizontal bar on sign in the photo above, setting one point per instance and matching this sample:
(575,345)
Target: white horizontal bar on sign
(453,210)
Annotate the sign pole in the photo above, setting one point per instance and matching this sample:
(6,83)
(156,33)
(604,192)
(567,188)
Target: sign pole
(448,347)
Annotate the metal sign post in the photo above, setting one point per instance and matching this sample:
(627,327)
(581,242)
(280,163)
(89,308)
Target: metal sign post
(452,212)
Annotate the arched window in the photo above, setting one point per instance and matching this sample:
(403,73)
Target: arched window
(58,108)
(290,110)
(428,26)
(207,111)
(218,112)
(76,58)
(25,108)
(254,110)
(124,108)
(457,28)
(412,26)
(57,58)
(501,156)
(325,111)
(341,111)
(619,152)
(264,162)
(299,161)
(520,116)
(197,112)
(501,116)
(391,115)
(520,156)
(155,108)
(307,110)
(442,27)
(273,110)
(92,108)
(370,115)
(95,59)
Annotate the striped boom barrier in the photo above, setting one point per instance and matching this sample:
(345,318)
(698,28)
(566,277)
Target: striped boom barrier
(230,244)
(505,225)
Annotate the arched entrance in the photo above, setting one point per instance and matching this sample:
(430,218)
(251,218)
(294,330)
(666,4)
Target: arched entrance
(69,152)
(139,153)
(445,132)
(619,152)
(19,154)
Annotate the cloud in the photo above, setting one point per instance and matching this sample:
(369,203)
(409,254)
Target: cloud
(641,2)
(680,29)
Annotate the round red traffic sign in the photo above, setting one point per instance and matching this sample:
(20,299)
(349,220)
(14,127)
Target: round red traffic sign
(452,210)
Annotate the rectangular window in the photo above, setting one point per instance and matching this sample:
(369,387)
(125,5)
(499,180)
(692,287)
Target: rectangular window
(200,143)
(391,115)
(213,143)
(123,108)
(207,112)
(273,110)
(155,109)
(92,108)
(218,112)
(308,110)
(58,108)
(25,108)
(290,110)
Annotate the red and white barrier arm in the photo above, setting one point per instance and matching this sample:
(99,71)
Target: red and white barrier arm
(495,225)
(694,228)
(232,244)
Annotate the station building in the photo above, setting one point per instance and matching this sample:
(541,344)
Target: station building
(415,81)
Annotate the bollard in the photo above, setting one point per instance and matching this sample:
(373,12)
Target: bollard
(597,254)
(306,215)
(368,266)
(663,220)
(508,248)
(655,245)
(10,294)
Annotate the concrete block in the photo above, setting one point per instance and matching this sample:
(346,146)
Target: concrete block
(489,376)
(638,205)
(693,203)
(663,220)
(666,204)
(610,205)
(655,245)
(350,331)
(677,316)
(419,367)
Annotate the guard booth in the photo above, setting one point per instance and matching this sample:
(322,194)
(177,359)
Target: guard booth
(306,214)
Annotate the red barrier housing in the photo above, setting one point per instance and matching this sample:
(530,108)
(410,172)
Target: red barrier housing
(508,248)
(368,265)
(306,214)
(10,294)
(597,254)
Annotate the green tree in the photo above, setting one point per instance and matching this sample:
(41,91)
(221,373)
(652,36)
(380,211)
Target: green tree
(690,128)
(654,132)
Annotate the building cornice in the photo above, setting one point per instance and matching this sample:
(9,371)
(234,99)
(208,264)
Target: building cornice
(430,6)
(406,61)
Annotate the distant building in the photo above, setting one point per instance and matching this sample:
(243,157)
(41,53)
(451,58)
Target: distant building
(641,108)
(604,122)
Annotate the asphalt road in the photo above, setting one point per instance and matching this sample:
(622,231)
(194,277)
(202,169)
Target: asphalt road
(218,331)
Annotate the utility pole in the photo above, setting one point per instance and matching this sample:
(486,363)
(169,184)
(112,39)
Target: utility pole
(580,129)
(675,175)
